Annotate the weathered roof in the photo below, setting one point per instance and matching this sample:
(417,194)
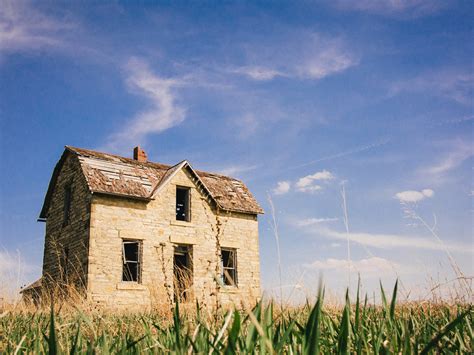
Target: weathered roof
(116,175)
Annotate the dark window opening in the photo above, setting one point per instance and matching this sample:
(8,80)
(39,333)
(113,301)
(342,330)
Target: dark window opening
(183,272)
(67,204)
(182,204)
(131,261)
(229,267)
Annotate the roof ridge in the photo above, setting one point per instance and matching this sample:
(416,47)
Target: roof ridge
(80,151)
(96,154)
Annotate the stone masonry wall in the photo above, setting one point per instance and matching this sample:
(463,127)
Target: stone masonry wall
(154,223)
(66,245)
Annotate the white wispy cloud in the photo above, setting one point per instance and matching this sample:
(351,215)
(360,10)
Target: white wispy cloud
(23,28)
(455,84)
(372,265)
(330,58)
(257,72)
(306,55)
(282,188)
(310,183)
(387,241)
(235,170)
(458,153)
(412,196)
(314,221)
(163,111)
(393,8)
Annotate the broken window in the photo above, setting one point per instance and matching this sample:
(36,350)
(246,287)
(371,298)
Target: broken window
(131,261)
(229,266)
(183,272)
(182,204)
(67,203)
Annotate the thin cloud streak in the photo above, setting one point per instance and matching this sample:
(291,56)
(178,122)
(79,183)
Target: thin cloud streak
(387,241)
(343,154)
(459,153)
(391,8)
(314,221)
(235,170)
(452,84)
(257,73)
(372,265)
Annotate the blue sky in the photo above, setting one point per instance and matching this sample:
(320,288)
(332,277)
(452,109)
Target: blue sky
(297,99)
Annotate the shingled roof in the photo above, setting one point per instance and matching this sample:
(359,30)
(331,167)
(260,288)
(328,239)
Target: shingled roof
(115,175)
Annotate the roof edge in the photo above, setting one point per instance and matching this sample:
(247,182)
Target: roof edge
(52,183)
(172,170)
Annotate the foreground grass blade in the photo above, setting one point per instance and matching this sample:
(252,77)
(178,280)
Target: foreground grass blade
(74,342)
(52,342)
(384,298)
(233,335)
(252,331)
(448,328)
(313,329)
(343,343)
(394,301)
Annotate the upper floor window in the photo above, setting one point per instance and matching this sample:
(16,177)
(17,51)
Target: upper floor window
(229,266)
(131,270)
(182,204)
(67,203)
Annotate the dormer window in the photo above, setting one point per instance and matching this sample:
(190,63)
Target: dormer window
(182,204)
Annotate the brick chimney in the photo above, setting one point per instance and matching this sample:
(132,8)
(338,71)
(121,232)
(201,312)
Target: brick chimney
(139,154)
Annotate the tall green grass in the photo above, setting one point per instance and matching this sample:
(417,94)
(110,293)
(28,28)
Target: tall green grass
(356,328)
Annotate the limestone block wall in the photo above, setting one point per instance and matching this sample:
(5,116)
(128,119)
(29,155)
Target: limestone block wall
(154,224)
(66,245)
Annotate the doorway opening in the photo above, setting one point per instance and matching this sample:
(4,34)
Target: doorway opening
(182,272)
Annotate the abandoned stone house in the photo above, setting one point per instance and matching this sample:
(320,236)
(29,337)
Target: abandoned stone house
(130,232)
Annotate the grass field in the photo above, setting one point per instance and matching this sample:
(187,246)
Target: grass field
(356,327)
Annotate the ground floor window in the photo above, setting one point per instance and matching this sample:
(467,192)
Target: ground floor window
(229,266)
(131,250)
(183,272)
